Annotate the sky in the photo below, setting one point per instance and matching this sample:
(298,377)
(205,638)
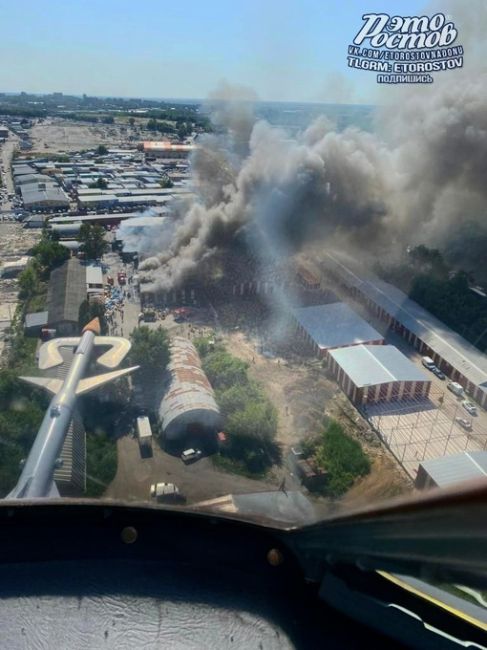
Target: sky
(285,50)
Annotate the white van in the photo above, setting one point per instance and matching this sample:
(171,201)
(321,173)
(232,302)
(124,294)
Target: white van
(455,388)
(428,362)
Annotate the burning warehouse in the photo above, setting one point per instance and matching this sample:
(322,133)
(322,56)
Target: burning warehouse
(188,412)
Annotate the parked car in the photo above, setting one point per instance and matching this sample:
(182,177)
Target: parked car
(455,388)
(428,363)
(469,407)
(465,424)
(436,371)
(190,455)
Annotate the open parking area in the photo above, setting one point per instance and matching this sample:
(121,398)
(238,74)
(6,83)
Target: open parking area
(417,430)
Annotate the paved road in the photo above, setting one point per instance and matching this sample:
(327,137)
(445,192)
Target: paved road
(8,149)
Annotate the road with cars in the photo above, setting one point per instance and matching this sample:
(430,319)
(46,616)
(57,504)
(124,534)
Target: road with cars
(7,189)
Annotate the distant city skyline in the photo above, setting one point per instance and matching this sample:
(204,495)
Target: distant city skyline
(286,50)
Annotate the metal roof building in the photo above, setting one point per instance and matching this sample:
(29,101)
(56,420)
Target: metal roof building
(52,197)
(94,276)
(334,325)
(372,373)
(21,169)
(188,412)
(29,179)
(69,230)
(457,358)
(66,292)
(448,470)
(34,322)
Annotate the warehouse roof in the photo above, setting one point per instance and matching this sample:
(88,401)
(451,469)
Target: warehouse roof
(98,198)
(94,274)
(107,216)
(189,388)
(29,179)
(452,347)
(66,292)
(335,325)
(459,467)
(49,195)
(369,365)
(167,146)
(20,170)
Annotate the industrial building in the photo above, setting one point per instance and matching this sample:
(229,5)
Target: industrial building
(377,373)
(448,470)
(44,198)
(69,230)
(336,325)
(188,412)
(164,149)
(457,358)
(66,292)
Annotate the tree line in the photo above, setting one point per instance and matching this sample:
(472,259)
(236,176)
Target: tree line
(425,276)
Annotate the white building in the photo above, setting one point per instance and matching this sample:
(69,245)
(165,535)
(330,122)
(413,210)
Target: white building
(336,325)
(377,373)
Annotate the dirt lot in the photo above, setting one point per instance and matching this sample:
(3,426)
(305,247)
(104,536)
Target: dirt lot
(302,395)
(198,482)
(65,135)
(15,242)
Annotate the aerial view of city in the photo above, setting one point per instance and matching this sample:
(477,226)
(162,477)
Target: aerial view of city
(248,284)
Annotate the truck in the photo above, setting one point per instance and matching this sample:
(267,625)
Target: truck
(122,277)
(144,435)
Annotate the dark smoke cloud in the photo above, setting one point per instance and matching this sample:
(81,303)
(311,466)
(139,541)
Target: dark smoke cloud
(417,183)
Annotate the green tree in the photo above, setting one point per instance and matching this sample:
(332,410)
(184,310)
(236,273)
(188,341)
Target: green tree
(29,281)
(166,183)
(88,311)
(101,463)
(100,183)
(21,411)
(131,121)
(50,254)
(150,351)
(92,240)
(343,459)
(224,370)
(108,120)
(101,150)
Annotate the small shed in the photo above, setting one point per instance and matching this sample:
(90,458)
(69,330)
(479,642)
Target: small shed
(34,323)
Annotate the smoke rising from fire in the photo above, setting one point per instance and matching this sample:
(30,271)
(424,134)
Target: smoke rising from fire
(419,179)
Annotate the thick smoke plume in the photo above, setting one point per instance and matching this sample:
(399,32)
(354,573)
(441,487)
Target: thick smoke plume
(419,179)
